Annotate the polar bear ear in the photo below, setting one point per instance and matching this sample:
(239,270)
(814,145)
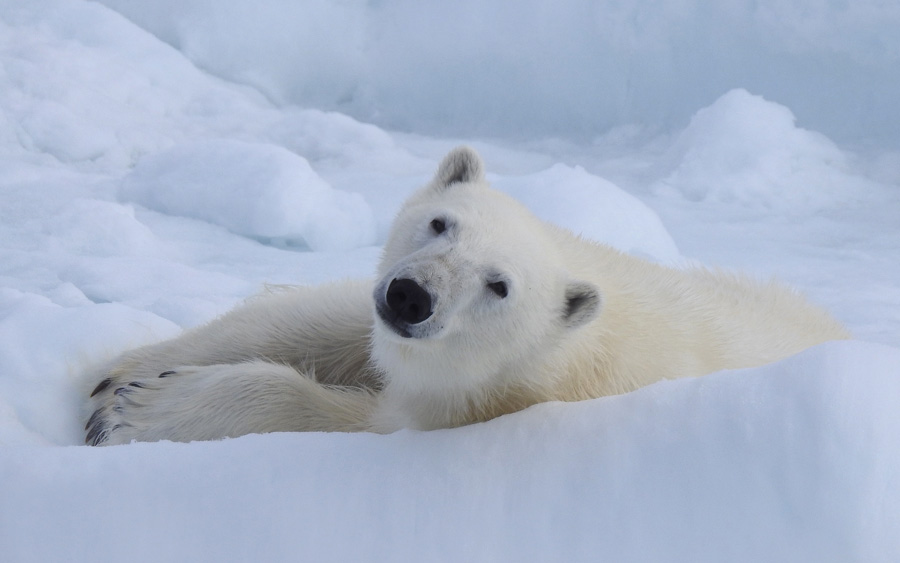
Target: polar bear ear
(583,303)
(461,165)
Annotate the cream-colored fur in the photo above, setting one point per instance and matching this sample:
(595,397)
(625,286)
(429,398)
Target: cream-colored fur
(519,312)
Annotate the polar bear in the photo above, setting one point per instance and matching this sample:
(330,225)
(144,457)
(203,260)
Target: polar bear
(478,309)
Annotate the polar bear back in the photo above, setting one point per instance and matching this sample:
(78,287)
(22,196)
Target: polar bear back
(659,322)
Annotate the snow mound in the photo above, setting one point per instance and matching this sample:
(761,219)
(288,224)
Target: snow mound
(594,208)
(101,228)
(744,149)
(44,344)
(795,461)
(252,189)
(84,85)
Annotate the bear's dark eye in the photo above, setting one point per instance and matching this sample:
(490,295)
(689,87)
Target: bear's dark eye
(438,226)
(499,287)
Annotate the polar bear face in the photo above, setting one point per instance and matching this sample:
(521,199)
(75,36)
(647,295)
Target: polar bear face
(470,285)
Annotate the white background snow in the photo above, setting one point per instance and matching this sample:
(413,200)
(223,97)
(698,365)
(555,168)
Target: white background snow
(161,161)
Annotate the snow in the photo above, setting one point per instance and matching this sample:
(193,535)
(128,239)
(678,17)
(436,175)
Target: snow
(744,148)
(257,190)
(572,68)
(157,170)
(605,212)
(763,465)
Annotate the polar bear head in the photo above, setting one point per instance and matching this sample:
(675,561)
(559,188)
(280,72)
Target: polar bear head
(471,286)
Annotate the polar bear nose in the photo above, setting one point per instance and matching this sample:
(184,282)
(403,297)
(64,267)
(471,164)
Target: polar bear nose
(409,301)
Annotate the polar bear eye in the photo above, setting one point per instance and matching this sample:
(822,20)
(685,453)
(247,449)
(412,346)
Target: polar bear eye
(438,226)
(499,287)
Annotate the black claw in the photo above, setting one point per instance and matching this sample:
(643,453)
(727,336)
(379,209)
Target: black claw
(167,373)
(101,437)
(94,418)
(122,391)
(96,435)
(136,384)
(101,386)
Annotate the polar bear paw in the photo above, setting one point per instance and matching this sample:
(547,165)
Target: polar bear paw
(125,407)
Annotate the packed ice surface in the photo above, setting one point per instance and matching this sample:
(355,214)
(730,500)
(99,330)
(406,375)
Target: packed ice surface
(141,195)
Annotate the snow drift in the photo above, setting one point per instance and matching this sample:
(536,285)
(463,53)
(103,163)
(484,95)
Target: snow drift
(262,191)
(772,464)
(744,148)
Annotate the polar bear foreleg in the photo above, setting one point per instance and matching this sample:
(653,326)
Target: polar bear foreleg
(226,400)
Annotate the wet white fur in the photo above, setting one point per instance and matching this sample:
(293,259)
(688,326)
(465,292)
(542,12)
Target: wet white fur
(581,320)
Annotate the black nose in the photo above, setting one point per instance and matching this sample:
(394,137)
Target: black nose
(408,301)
